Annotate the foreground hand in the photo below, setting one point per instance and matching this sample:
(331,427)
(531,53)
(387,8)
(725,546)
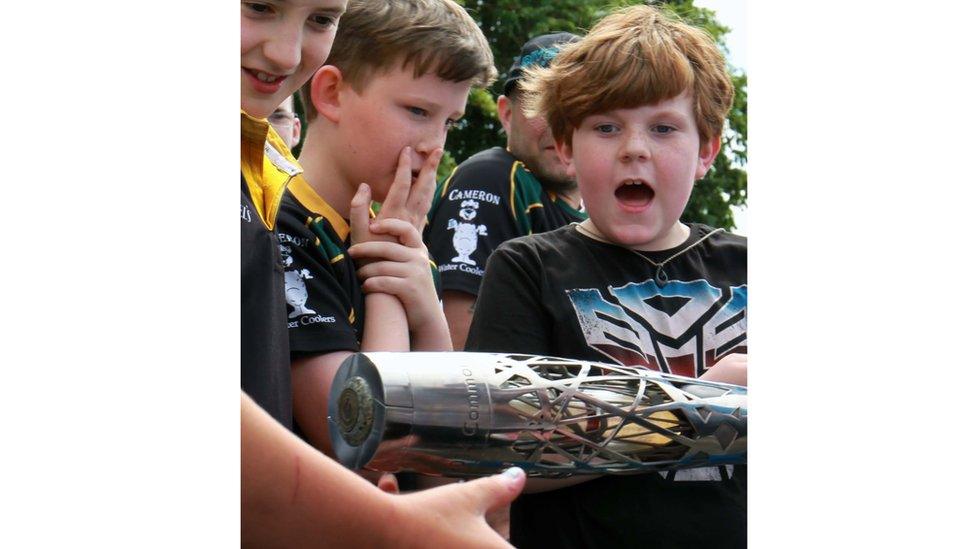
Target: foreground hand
(500,521)
(454,515)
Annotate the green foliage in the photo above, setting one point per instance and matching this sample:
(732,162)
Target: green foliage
(507,24)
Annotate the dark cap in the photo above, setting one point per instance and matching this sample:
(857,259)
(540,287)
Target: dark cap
(538,51)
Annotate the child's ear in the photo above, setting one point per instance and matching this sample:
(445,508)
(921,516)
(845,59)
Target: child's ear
(505,112)
(706,155)
(565,153)
(326,83)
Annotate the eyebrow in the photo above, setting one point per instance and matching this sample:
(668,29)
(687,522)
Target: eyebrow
(332,9)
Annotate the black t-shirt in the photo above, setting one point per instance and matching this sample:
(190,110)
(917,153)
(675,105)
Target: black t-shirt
(265,364)
(325,301)
(565,294)
(490,198)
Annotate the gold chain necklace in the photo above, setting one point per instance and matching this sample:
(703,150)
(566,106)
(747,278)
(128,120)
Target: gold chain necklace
(660,277)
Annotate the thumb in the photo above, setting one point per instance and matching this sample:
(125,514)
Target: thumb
(359,214)
(495,491)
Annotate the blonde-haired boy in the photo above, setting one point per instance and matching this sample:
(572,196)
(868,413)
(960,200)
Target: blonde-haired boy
(637,109)
(378,113)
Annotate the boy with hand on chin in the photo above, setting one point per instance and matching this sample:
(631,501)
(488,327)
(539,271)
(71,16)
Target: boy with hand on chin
(292,495)
(378,113)
(636,109)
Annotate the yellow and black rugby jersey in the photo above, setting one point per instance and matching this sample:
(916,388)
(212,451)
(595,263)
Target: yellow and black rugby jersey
(490,198)
(325,301)
(266,169)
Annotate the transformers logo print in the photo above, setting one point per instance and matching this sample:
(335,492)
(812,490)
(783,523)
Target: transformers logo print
(465,233)
(682,328)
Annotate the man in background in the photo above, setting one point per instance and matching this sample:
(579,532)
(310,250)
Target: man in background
(499,194)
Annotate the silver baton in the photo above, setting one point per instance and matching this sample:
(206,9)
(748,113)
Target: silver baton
(471,414)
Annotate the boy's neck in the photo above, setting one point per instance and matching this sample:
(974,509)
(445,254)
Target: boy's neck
(675,237)
(322,171)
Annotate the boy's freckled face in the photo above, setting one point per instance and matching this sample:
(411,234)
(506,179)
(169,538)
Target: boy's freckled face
(282,44)
(636,168)
(395,110)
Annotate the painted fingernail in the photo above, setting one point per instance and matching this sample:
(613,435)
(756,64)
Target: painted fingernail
(514,473)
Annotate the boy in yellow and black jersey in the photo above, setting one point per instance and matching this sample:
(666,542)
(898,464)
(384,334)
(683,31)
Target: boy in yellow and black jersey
(377,114)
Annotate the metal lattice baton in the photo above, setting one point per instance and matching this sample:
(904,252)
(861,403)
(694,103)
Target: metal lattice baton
(472,414)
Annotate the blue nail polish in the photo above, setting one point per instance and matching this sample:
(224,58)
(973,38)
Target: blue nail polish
(513,472)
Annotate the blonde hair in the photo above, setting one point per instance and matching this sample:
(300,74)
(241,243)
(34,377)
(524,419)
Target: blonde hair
(635,56)
(436,36)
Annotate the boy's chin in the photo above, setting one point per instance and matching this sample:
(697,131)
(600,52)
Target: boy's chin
(257,109)
(639,237)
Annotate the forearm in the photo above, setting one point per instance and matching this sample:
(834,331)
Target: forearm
(385,327)
(312,378)
(293,496)
(434,335)
(458,310)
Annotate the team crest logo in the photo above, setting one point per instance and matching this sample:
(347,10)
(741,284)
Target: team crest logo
(296,294)
(466,233)
(286,258)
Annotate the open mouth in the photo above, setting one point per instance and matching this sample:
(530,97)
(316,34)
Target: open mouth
(634,193)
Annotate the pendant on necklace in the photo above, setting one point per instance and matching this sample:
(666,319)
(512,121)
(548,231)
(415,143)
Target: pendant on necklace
(660,277)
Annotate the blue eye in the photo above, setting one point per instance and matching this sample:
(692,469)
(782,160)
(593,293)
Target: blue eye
(661,128)
(324,21)
(605,128)
(417,111)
